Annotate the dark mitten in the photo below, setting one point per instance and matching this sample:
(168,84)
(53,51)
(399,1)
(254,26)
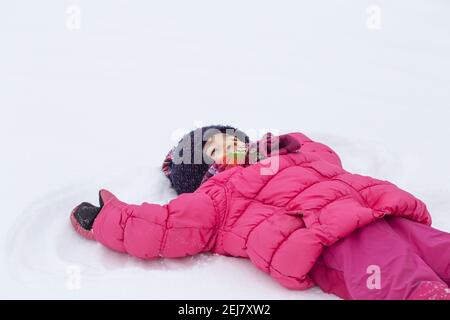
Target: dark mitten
(83,217)
(86,214)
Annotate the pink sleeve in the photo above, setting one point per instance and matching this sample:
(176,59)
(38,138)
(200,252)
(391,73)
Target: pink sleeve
(319,149)
(281,246)
(387,198)
(185,226)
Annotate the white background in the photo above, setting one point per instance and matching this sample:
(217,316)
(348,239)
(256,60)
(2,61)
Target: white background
(101,106)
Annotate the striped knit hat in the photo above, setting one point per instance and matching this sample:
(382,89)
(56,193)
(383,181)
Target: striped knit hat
(186,164)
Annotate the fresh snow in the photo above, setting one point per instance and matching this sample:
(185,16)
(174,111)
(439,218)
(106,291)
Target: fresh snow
(99,107)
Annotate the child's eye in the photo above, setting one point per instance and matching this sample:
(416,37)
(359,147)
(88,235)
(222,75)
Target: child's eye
(213,152)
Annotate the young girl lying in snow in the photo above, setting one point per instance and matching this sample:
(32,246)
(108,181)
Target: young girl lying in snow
(287,204)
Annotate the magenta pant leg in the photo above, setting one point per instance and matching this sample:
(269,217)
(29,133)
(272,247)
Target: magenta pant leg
(432,245)
(374,262)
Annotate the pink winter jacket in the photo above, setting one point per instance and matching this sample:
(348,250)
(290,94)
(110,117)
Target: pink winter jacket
(279,213)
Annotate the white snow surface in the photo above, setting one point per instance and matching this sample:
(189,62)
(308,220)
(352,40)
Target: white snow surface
(99,107)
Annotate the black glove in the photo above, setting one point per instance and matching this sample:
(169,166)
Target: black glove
(86,213)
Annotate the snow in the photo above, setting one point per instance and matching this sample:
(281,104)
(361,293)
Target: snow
(99,107)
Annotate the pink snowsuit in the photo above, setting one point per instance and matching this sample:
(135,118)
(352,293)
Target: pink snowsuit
(280,213)
(392,258)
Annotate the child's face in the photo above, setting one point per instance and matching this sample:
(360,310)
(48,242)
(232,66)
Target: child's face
(221,145)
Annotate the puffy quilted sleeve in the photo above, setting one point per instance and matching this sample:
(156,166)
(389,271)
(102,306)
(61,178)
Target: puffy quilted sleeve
(185,226)
(282,247)
(319,149)
(388,199)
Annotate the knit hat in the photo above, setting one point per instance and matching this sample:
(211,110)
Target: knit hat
(186,164)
